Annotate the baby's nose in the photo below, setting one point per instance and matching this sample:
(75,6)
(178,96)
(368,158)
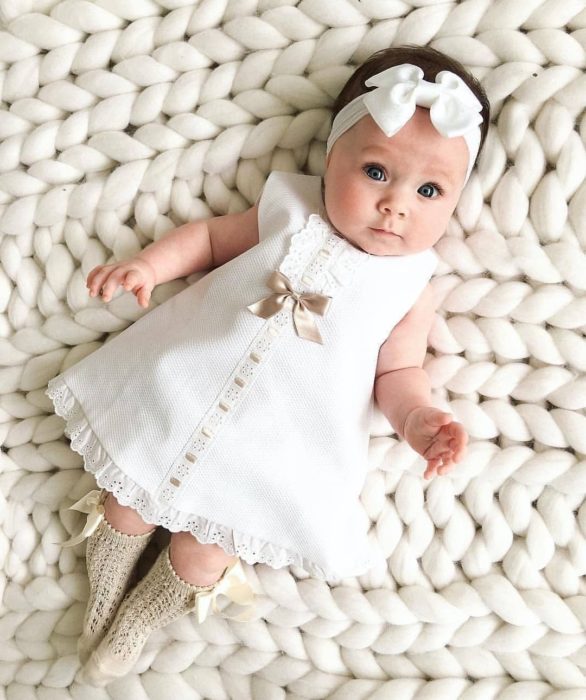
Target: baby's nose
(394,207)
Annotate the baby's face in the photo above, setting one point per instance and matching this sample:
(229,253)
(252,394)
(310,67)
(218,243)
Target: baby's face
(394,196)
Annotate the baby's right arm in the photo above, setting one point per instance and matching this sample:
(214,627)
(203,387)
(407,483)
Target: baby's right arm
(193,247)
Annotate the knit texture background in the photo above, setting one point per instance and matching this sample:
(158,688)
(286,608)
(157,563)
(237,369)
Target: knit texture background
(121,120)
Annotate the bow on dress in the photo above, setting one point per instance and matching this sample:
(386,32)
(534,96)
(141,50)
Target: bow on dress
(304,305)
(233,582)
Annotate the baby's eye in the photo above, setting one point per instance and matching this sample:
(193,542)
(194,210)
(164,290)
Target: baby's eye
(427,190)
(374,172)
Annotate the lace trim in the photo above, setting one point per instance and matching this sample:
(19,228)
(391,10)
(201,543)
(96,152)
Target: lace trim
(236,387)
(108,475)
(319,259)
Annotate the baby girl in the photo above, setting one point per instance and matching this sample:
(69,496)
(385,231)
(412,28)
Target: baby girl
(236,414)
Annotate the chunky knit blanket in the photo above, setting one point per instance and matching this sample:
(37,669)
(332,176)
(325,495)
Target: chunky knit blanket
(121,120)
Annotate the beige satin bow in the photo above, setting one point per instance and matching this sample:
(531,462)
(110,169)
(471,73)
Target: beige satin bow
(304,305)
(233,582)
(92,505)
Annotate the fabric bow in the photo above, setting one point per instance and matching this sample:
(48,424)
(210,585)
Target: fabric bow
(234,585)
(304,305)
(453,107)
(91,504)
(233,582)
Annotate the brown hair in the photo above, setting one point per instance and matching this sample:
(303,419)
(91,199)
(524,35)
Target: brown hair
(431,63)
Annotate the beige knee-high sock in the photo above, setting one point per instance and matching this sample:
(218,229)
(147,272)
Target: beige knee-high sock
(158,599)
(111,557)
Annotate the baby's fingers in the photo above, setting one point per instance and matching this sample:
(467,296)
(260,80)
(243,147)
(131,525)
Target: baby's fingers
(458,440)
(97,277)
(143,296)
(447,466)
(131,280)
(432,466)
(440,465)
(92,275)
(110,285)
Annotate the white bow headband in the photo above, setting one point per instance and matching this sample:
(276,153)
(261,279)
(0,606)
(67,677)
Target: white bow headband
(454,109)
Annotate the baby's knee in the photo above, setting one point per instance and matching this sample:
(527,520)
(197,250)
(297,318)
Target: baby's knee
(210,557)
(124,518)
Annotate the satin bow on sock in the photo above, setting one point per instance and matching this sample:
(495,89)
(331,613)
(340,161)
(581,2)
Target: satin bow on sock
(91,504)
(233,582)
(234,585)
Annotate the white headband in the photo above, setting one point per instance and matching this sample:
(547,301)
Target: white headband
(454,109)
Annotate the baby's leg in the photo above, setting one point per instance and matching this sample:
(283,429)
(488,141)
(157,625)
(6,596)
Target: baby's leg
(194,562)
(124,518)
(197,563)
(167,592)
(112,552)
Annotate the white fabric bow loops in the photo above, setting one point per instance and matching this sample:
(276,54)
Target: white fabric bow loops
(453,107)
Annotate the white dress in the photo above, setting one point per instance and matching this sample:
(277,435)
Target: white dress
(206,418)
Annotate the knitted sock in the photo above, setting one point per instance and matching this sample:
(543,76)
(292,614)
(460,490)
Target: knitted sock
(158,599)
(110,557)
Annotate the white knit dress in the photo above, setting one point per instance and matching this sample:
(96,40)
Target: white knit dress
(206,418)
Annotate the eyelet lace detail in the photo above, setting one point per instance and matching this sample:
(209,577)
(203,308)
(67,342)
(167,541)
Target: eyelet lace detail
(108,475)
(319,259)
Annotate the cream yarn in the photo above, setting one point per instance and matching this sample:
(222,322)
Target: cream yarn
(111,557)
(120,120)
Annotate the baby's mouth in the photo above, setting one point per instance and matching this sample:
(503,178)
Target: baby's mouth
(384,232)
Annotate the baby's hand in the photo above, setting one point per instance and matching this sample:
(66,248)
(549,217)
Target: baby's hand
(436,437)
(135,275)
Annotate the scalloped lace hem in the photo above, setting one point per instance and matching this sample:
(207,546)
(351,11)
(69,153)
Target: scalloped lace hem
(109,476)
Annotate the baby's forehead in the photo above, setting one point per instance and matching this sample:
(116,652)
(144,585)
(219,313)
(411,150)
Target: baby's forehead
(417,138)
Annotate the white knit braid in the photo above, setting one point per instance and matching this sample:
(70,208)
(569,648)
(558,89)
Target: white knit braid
(121,120)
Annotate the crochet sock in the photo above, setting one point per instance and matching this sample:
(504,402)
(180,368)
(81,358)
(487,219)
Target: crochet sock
(111,557)
(158,599)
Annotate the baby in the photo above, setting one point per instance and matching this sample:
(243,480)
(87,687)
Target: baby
(236,414)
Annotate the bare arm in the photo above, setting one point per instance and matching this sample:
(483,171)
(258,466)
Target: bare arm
(193,247)
(201,245)
(403,391)
(401,383)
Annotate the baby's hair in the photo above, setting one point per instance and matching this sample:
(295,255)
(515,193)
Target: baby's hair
(431,63)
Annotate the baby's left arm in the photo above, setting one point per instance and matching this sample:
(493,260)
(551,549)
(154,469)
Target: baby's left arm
(403,391)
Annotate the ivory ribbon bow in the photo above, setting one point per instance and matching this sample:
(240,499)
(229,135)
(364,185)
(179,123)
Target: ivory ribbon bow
(233,582)
(234,585)
(91,504)
(304,305)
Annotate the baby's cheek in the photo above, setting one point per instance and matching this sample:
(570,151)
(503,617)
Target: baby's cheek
(352,200)
(338,205)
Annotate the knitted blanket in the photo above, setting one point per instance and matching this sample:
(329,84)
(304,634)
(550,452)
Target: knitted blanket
(121,120)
